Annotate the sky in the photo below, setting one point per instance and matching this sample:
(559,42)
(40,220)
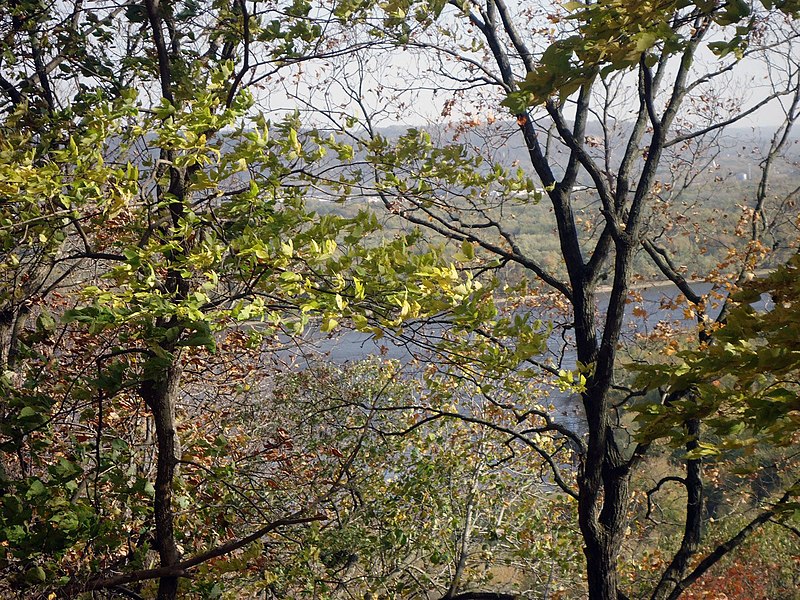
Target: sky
(397,87)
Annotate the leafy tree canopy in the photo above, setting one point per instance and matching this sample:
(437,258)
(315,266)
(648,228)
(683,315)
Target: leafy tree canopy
(745,380)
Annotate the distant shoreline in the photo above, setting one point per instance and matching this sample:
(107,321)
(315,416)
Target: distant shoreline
(662,283)
(646,285)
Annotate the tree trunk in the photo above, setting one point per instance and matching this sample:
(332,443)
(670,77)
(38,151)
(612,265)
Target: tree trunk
(693,521)
(603,482)
(602,516)
(603,539)
(161,396)
(601,569)
(465,538)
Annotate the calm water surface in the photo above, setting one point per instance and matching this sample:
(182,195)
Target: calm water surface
(654,300)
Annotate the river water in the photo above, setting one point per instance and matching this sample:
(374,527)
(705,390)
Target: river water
(654,302)
(650,307)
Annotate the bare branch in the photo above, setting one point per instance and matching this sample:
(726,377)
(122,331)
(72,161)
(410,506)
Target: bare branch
(183,568)
(726,547)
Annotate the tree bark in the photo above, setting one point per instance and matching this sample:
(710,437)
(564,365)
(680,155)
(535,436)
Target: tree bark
(693,522)
(602,516)
(161,396)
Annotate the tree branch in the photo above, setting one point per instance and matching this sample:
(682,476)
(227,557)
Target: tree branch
(164,67)
(242,4)
(181,569)
(729,545)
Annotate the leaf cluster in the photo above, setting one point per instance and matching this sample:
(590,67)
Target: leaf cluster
(744,384)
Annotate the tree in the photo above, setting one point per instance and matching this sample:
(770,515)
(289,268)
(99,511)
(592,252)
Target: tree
(149,211)
(564,79)
(441,508)
(744,380)
(743,387)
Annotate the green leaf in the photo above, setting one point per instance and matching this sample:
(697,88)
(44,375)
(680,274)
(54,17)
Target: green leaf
(35,575)
(35,489)
(734,11)
(45,322)
(328,324)
(28,412)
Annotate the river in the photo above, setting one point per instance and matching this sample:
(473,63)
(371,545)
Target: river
(651,306)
